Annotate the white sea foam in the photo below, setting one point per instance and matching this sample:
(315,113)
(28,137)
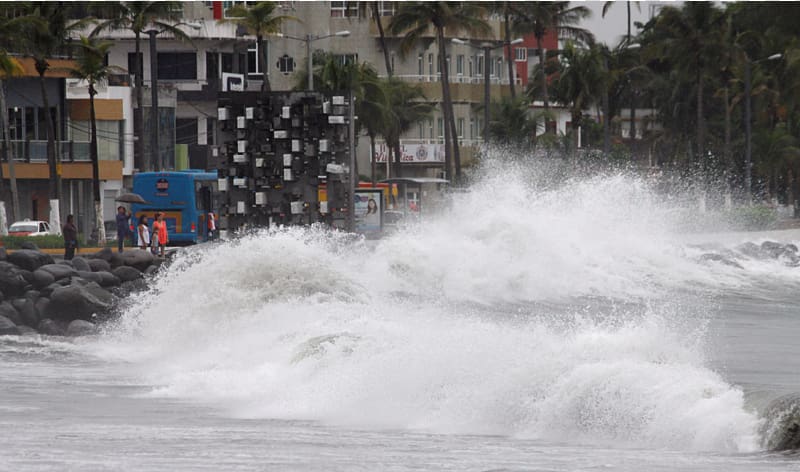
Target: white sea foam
(572,313)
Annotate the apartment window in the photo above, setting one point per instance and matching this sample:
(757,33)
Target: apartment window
(286,64)
(438,64)
(344,9)
(460,126)
(430,129)
(227,62)
(253,67)
(460,64)
(469,66)
(227,4)
(479,68)
(420,65)
(472,133)
(177,66)
(345,59)
(132,69)
(212,66)
(430,64)
(440,127)
(386,8)
(521,54)
(447,64)
(211,128)
(421,130)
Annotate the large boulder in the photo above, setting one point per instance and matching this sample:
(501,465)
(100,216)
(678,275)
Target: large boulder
(7,326)
(99,265)
(59,271)
(52,327)
(108,279)
(66,263)
(103,254)
(29,259)
(81,264)
(77,301)
(29,245)
(12,281)
(42,278)
(42,307)
(27,311)
(116,260)
(7,310)
(137,258)
(127,274)
(91,277)
(81,328)
(3,254)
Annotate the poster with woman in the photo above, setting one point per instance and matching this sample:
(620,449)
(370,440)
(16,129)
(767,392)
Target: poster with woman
(369,211)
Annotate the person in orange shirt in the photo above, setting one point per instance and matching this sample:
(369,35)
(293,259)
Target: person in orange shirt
(160,237)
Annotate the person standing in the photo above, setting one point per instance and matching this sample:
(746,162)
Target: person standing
(123,224)
(70,232)
(143,233)
(212,226)
(160,235)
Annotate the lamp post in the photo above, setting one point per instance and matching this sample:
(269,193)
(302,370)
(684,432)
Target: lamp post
(487,52)
(748,130)
(155,153)
(308,39)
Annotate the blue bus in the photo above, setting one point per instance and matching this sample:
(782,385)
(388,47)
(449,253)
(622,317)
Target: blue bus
(185,197)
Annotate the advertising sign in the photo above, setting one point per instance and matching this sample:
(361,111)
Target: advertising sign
(413,153)
(368,208)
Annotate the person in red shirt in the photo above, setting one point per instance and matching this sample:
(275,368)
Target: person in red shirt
(160,236)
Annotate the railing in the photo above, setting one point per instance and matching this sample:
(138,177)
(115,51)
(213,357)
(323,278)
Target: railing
(454,79)
(35,151)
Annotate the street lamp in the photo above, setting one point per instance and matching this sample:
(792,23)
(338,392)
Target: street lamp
(308,39)
(155,152)
(487,51)
(748,132)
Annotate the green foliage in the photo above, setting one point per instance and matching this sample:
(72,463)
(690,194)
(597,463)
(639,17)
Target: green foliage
(754,217)
(49,241)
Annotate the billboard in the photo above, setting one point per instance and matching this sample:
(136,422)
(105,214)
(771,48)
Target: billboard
(413,153)
(368,211)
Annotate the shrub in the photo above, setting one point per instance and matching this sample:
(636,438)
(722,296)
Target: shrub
(49,241)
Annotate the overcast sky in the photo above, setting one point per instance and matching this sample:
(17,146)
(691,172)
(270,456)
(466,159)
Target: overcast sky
(614,26)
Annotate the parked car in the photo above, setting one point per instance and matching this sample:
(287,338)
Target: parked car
(29,228)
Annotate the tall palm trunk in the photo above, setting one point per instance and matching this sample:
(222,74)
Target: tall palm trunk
(544,74)
(372,158)
(510,56)
(606,112)
(398,156)
(98,203)
(628,4)
(55,177)
(9,154)
(262,64)
(138,112)
(700,121)
(726,150)
(447,106)
(377,15)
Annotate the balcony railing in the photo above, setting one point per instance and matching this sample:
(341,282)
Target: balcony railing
(454,79)
(35,151)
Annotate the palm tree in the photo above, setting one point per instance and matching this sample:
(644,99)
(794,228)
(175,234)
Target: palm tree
(511,121)
(375,12)
(541,17)
(90,67)
(8,68)
(406,106)
(259,20)
(607,6)
(414,19)
(137,17)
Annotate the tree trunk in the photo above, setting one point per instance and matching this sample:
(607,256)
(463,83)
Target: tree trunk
(372,159)
(98,202)
(700,122)
(629,22)
(398,155)
(632,134)
(382,38)
(726,150)
(511,57)
(9,155)
(262,64)
(138,112)
(52,162)
(606,112)
(544,76)
(447,105)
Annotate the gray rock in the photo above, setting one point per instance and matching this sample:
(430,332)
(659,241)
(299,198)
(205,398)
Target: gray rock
(29,245)
(7,326)
(2,296)
(42,278)
(81,264)
(42,306)
(126,274)
(150,271)
(3,254)
(721,259)
(12,281)
(91,276)
(27,311)
(133,286)
(137,258)
(7,310)
(66,263)
(27,331)
(789,247)
(46,291)
(81,328)
(116,260)
(772,248)
(109,279)
(77,302)
(52,327)
(99,265)
(33,295)
(28,259)
(104,254)
(59,271)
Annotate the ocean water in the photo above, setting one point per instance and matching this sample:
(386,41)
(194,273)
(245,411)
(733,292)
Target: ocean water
(536,322)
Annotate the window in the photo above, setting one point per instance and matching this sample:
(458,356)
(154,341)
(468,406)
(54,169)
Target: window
(460,123)
(286,64)
(472,133)
(430,64)
(420,65)
(460,64)
(177,66)
(421,130)
(344,9)
(438,64)
(386,8)
(430,129)
(479,67)
(212,66)
(440,127)
(346,59)
(185,130)
(132,69)
(227,62)
(469,66)
(211,127)
(253,67)
(521,54)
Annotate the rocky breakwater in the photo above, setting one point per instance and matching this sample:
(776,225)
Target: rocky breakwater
(41,295)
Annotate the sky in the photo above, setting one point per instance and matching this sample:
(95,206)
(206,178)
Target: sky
(614,26)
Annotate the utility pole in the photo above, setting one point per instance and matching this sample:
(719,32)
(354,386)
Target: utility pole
(155,152)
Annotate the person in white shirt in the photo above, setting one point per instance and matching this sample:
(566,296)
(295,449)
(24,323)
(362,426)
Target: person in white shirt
(144,233)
